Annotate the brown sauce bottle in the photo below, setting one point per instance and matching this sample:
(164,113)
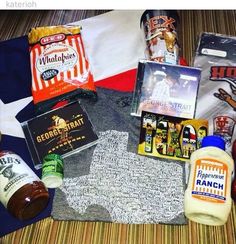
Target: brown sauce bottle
(21,191)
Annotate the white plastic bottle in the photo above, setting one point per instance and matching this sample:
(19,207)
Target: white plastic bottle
(208,195)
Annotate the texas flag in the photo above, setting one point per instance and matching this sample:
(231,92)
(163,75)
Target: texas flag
(114,45)
(16,106)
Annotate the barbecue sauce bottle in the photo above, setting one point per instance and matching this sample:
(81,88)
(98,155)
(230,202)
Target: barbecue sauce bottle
(21,191)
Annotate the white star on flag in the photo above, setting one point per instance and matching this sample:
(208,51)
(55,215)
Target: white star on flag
(9,125)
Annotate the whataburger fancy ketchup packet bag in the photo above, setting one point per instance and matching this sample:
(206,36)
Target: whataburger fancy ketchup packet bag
(59,67)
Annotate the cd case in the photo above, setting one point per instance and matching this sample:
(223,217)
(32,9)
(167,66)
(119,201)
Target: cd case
(165,89)
(64,131)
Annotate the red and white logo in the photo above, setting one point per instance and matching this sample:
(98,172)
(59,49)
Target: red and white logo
(160,22)
(223,73)
(50,39)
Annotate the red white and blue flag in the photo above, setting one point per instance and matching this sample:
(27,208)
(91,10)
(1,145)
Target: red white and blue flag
(113,48)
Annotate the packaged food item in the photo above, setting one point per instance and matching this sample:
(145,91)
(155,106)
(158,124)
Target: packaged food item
(52,171)
(160,30)
(21,191)
(208,195)
(59,66)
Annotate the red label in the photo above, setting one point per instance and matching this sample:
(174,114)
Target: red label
(160,22)
(222,72)
(50,39)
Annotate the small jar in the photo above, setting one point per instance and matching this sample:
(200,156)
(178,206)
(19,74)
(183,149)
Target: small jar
(21,191)
(52,170)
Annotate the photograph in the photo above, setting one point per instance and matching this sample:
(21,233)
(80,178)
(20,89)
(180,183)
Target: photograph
(117,122)
(166,89)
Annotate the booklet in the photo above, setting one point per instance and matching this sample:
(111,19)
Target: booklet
(165,89)
(62,131)
(170,137)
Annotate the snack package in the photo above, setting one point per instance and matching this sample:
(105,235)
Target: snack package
(59,66)
(216,56)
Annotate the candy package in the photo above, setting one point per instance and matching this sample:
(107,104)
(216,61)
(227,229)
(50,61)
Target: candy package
(59,66)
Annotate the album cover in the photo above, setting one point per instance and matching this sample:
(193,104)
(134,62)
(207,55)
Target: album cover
(165,89)
(170,137)
(62,131)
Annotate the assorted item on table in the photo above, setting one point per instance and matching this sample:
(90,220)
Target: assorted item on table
(52,170)
(159,89)
(170,137)
(161,35)
(208,196)
(110,181)
(88,149)
(21,191)
(62,131)
(215,55)
(59,66)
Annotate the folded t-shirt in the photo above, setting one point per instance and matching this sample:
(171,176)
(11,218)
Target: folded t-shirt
(110,181)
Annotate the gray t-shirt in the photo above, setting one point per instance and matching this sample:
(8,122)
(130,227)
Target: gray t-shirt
(110,181)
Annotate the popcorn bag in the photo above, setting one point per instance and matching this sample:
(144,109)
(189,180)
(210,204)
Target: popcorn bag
(60,69)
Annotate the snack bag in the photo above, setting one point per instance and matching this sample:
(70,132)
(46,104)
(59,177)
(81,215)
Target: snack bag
(60,69)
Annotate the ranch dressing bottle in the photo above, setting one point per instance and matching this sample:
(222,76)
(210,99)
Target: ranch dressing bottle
(208,195)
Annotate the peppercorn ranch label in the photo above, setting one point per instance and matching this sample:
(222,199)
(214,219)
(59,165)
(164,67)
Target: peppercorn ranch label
(14,173)
(209,182)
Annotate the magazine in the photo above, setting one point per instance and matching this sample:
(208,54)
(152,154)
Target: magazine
(170,137)
(62,131)
(165,89)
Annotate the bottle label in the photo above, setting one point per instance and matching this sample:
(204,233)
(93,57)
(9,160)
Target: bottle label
(14,173)
(52,166)
(210,180)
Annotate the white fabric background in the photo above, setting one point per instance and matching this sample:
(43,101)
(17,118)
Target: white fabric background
(113,42)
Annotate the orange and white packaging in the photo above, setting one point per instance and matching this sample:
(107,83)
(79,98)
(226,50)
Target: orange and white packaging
(59,66)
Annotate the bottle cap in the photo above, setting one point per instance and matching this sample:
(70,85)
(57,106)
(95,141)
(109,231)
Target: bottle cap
(213,141)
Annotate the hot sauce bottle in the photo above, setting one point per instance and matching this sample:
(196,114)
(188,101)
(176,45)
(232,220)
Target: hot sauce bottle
(21,191)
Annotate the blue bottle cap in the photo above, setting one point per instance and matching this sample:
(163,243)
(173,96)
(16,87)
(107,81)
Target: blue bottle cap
(213,141)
